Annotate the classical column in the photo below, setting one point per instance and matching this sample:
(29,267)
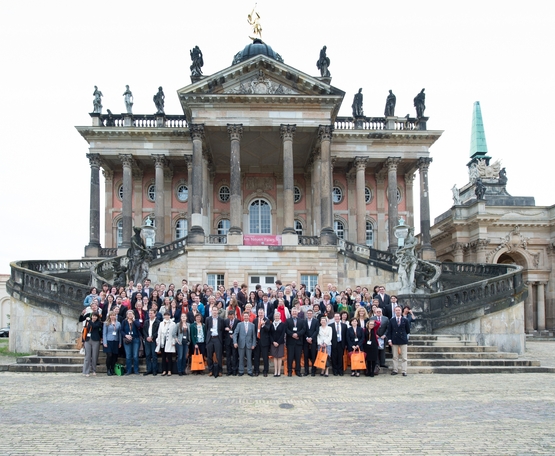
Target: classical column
(380,201)
(287,132)
(360,164)
(327,235)
(189,163)
(127,209)
(235,132)
(316,194)
(159,162)
(94,208)
(541,305)
(196,232)
(109,240)
(529,309)
(409,198)
(392,210)
(428,253)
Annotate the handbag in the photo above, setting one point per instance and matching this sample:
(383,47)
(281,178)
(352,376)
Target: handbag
(197,361)
(357,359)
(321,358)
(118,369)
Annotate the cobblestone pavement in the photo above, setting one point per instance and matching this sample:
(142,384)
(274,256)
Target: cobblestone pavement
(543,351)
(68,414)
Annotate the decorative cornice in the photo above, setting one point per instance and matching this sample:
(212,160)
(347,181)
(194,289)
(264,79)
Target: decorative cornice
(287,132)
(235,131)
(133,132)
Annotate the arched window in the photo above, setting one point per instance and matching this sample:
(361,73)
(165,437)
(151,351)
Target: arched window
(339,229)
(299,227)
(369,234)
(119,233)
(224,193)
(180,228)
(120,192)
(337,195)
(260,217)
(367,195)
(223,226)
(297,195)
(182,193)
(151,192)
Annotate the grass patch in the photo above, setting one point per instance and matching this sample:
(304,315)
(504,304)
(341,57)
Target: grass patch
(5,349)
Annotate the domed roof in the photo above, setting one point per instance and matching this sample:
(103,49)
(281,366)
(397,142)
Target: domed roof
(257,47)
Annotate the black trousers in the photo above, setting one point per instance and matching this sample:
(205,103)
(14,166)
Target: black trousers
(214,346)
(337,357)
(294,353)
(232,358)
(257,353)
(309,351)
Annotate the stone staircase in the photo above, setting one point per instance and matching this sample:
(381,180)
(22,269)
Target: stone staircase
(427,354)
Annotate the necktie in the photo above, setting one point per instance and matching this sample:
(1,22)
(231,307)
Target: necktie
(338,333)
(295,321)
(398,322)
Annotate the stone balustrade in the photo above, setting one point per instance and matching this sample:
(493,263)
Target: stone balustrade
(368,255)
(216,239)
(309,240)
(376,123)
(143,120)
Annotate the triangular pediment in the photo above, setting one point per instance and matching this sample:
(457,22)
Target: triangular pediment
(261,75)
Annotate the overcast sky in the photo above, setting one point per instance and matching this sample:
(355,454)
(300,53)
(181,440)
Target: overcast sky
(53,53)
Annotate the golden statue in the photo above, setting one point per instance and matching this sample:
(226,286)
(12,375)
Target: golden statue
(254,20)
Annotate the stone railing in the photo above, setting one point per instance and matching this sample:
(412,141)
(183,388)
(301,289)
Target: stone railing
(144,120)
(309,240)
(108,252)
(216,239)
(368,255)
(503,288)
(36,281)
(376,123)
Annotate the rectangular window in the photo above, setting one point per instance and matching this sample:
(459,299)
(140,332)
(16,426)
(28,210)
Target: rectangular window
(310,281)
(215,280)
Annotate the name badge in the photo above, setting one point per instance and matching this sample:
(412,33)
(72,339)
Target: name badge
(89,335)
(295,328)
(230,333)
(114,333)
(259,330)
(140,320)
(356,340)
(369,342)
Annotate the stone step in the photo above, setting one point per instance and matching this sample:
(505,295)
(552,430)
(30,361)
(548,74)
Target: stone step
(460,355)
(442,343)
(434,337)
(450,348)
(58,352)
(480,370)
(472,362)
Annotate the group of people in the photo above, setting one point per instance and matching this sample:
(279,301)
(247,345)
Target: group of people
(245,328)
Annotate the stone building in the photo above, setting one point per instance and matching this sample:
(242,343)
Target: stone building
(258,157)
(501,229)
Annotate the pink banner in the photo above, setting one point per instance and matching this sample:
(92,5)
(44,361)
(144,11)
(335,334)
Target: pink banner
(261,239)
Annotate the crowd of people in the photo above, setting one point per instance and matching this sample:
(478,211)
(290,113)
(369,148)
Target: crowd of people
(179,325)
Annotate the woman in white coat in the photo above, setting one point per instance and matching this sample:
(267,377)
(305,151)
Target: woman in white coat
(165,344)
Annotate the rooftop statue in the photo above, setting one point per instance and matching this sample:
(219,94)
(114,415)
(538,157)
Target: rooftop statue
(198,62)
(456,196)
(323,64)
(128,98)
(97,102)
(357,105)
(419,104)
(254,20)
(488,172)
(159,101)
(390,105)
(110,121)
(503,177)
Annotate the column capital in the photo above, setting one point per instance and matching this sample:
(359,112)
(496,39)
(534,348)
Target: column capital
(360,163)
(168,174)
(188,161)
(159,160)
(325,132)
(287,131)
(108,174)
(424,163)
(392,162)
(197,131)
(351,177)
(126,159)
(380,178)
(409,178)
(235,131)
(94,160)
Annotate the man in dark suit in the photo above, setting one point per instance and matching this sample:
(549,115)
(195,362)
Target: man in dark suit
(295,328)
(383,298)
(262,326)
(382,334)
(214,342)
(267,307)
(389,310)
(150,334)
(138,295)
(310,341)
(147,288)
(338,340)
(242,296)
(231,323)
(397,336)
